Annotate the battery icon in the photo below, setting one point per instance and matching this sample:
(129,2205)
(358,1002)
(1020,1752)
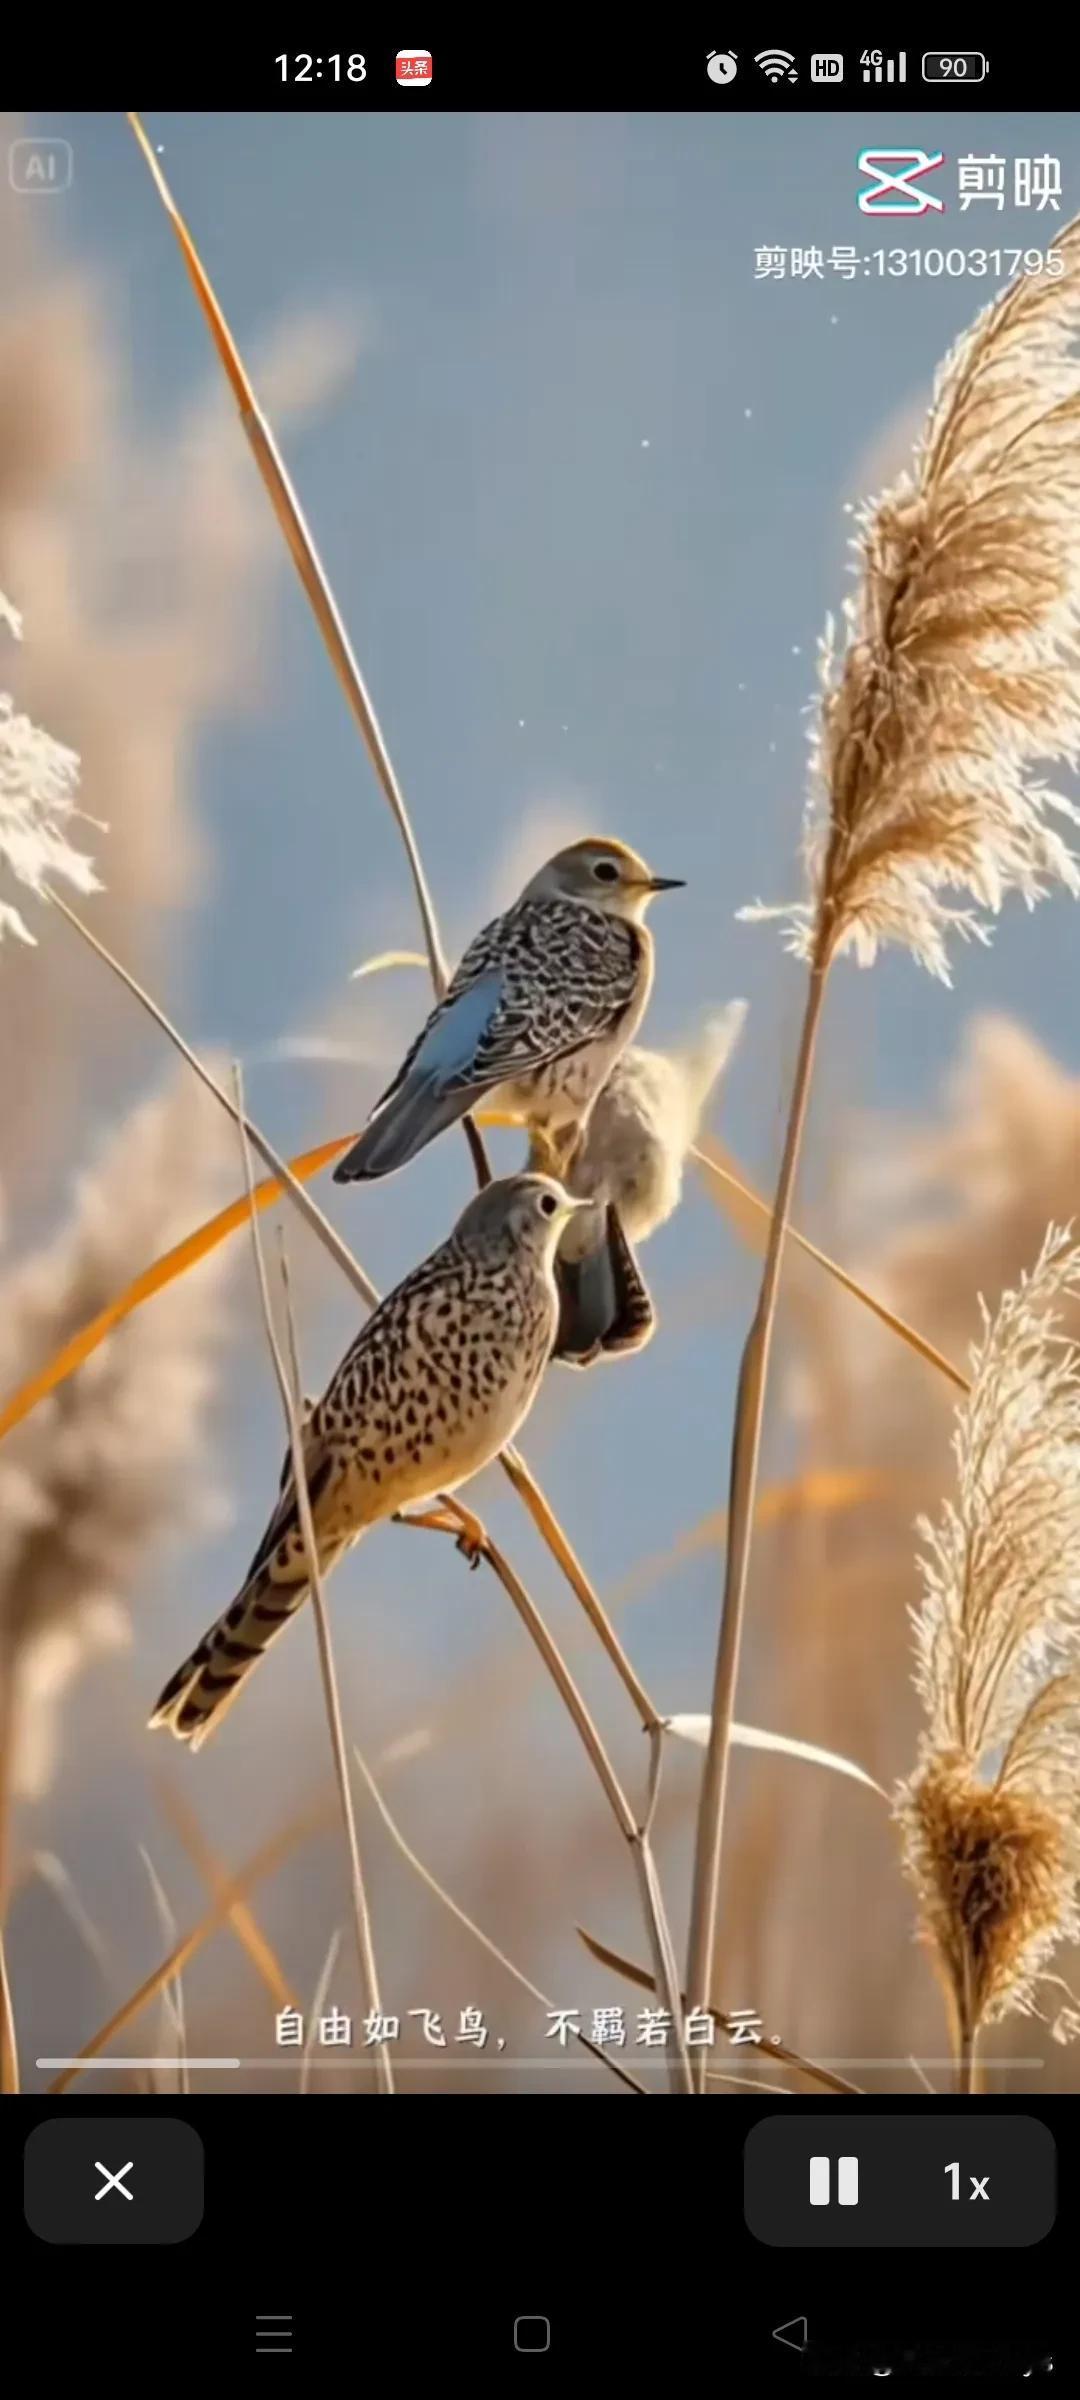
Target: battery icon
(954,66)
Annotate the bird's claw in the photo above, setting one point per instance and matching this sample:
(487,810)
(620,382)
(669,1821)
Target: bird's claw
(578,1358)
(472,1539)
(469,1535)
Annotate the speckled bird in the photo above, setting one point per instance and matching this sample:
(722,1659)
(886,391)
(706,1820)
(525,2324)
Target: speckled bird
(544,1000)
(630,1166)
(434,1386)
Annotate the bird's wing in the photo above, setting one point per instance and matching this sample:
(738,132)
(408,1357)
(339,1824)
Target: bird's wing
(435,1086)
(445,1054)
(538,984)
(318,1467)
(541,982)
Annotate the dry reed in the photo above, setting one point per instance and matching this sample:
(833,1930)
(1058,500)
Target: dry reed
(767,2044)
(172,2041)
(318,2003)
(957,676)
(473,1537)
(9,2045)
(928,1210)
(461,1917)
(143,562)
(753,1217)
(292,1402)
(92,1481)
(978,1184)
(242,1918)
(39,782)
(302,549)
(990,1817)
(270,1855)
(165,1269)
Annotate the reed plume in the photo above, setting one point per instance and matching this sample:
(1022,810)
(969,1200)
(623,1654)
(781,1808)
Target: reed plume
(114,1461)
(39,780)
(958,669)
(957,676)
(929,1211)
(990,1818)
(977,1187)
(144,567)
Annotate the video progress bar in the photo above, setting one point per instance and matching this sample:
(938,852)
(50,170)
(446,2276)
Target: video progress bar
(558,2062)
(106,2066)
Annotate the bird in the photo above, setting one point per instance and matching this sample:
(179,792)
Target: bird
(436,1383)
(545,998)
(630,1166)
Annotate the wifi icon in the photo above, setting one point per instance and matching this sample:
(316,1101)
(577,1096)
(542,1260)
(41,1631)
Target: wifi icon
(776,64)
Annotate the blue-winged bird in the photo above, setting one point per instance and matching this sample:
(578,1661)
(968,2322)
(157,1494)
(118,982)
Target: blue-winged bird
(544,1000)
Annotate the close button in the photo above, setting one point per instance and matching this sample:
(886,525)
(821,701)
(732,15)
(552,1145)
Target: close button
(113,2179)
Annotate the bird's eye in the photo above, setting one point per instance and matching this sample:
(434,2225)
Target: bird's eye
(606,871)
(548,1204)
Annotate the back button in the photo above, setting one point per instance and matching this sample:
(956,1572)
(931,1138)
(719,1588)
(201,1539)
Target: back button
(113,2179)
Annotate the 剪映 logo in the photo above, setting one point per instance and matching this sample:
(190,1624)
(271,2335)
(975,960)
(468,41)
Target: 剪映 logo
(896,173)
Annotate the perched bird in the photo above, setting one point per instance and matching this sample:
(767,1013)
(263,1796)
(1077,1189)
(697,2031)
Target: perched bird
(545,998)
(434,1386)
(630,1166)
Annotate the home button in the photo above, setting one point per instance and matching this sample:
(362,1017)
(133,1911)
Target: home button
(532,2333)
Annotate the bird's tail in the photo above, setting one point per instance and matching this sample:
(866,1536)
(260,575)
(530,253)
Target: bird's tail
(197,1696)
(405,1123)
(604,1302)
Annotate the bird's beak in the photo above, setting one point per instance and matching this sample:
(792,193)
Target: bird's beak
(665,883)
(572,1205)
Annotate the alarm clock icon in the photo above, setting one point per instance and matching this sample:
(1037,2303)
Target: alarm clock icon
(721,66)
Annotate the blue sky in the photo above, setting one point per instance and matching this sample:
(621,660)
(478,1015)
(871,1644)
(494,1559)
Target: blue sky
(582,505)
(539,298)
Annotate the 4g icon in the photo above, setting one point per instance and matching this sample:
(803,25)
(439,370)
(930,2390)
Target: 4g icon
(979,2183)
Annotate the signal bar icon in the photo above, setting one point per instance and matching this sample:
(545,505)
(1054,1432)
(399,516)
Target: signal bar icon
(877,68)
(847,2182)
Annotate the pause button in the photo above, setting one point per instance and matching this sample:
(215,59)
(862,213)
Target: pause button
(847,2182)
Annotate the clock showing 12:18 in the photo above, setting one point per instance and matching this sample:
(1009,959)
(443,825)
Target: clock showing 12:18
(336,69)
